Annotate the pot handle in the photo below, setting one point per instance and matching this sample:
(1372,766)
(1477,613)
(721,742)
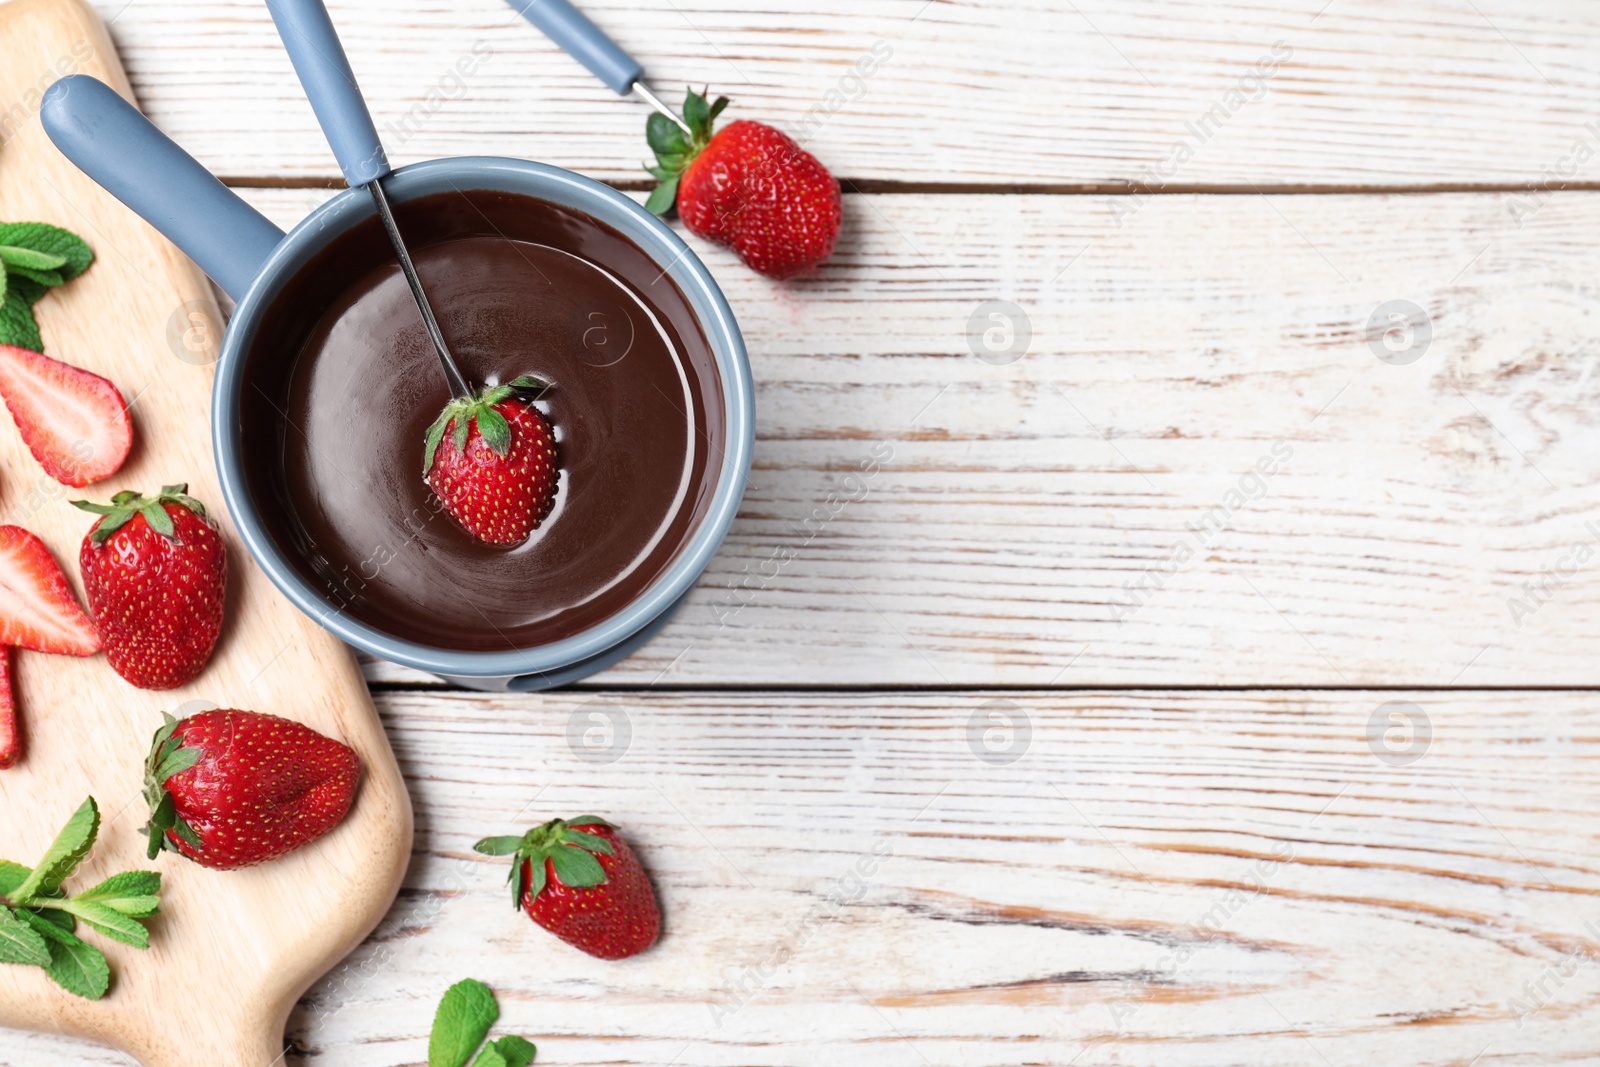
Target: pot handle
(129,158)
(319,59)
(580,38)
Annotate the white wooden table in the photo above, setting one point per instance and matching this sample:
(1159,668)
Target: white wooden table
(1202,673)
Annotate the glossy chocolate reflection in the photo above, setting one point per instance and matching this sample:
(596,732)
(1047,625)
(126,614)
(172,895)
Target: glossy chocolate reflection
(342,383)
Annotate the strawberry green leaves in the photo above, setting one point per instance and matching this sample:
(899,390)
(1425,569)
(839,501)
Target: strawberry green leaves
(564,843)
(674,150)
(34,258)
(167,757)
(459,415)
(37,917)
(126,504)
(462,1023)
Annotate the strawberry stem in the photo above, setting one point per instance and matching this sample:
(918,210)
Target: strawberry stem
(126,504)
(461,413)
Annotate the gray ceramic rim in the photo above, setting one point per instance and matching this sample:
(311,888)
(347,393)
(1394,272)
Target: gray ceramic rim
(570,190)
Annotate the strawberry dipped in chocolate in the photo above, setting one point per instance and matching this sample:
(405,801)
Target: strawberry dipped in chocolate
(491,460)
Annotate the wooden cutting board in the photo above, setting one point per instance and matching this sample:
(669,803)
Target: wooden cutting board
(231,952)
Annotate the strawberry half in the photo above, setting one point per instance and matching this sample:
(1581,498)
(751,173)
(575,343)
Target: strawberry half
(491,459)
(749,186)
(10,732)
(75,423)
(156,575)
(37,608)
(231,788)
(579,879)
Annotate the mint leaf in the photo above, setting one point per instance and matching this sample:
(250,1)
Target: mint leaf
(461,1023)
(20,942)
(108,921)
(12,256)
(516,1051)
(55,918)
(16,320)
(47,278)
(64,855)
(489,1057)
(135,893)
(124,885)
(11,876)
(51,240)
(78,968)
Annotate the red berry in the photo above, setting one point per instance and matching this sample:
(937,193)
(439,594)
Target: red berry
(491,460)
(75,423)
(37,608)
(155,572)
(231,789)
(10,733)
(750,187)
(580,880)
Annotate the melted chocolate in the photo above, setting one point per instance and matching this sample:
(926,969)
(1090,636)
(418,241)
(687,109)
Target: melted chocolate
(342,382)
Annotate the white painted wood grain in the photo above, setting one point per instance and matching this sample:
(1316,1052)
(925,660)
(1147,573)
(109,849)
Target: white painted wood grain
(1370,92)
(1170,354)
(1160,879)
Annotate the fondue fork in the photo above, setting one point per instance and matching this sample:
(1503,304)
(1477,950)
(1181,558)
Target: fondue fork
(579,37)
(319,60)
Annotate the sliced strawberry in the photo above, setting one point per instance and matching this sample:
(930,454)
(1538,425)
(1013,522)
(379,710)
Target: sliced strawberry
(75,423)
(37,608)
(10,736)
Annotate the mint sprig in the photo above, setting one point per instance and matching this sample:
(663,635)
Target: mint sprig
(38,918)
(35,257)
(461,1025)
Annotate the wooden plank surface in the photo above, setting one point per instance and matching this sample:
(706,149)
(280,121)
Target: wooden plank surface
(224,939)
(1027,523)
(1352,92)
(1157,878)
(1165,876)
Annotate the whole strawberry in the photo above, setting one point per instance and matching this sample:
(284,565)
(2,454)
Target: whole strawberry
(231,789)
(155,573)
(579,879)
(749,187)
(491,459)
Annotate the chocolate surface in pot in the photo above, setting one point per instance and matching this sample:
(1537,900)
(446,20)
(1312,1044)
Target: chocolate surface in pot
(343,382)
